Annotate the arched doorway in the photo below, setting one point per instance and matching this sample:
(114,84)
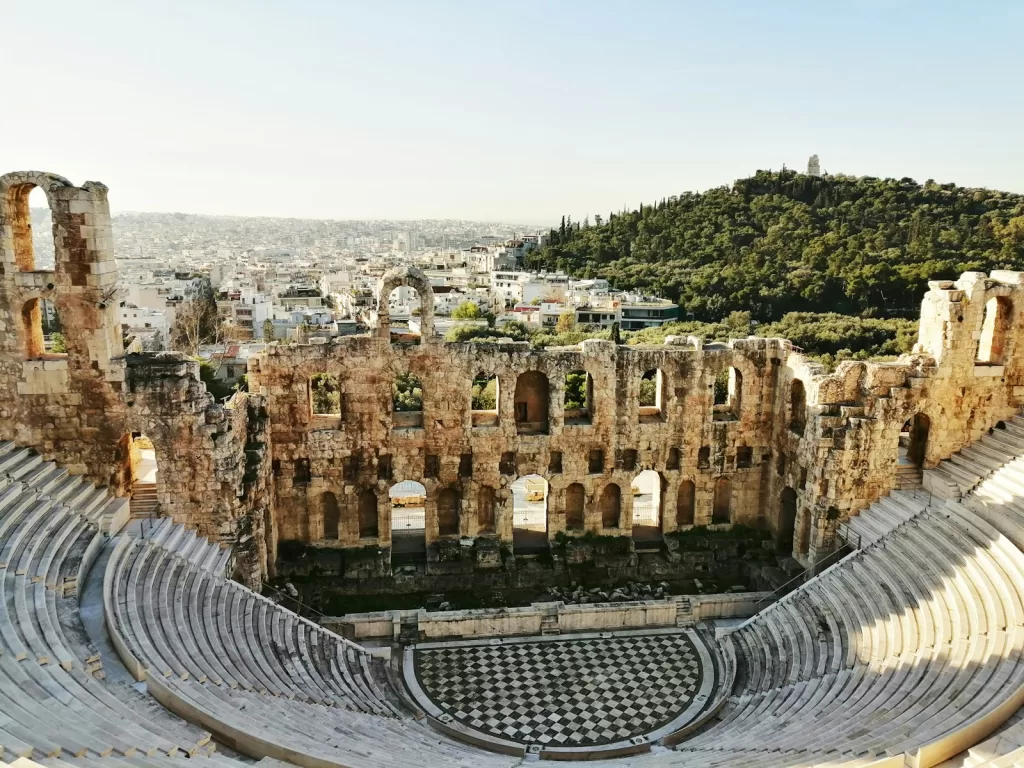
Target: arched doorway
(448,504)
(485,508)
(367,514)
(685,504)
(530,515)
(721,512)
(646,492)
(611,506)
(913,445)
(141,455)
(787,521)
(408,522)
(575,502)
(530,403)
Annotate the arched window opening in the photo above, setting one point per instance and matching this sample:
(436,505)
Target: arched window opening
(484,400)
(797,407)
(579,398)
(331,515)
(530,514)
(531,403)
(672,462)
(31,228)
(721,512)
(611,506)
(575,501)
(728,395)
(44,335)
(913,442)
(367,514)
(686,504)
(139,457)
(994,329)
(325,395)
(485,510)
(408,522)
(404,311)
(652,397)
(407,401)
(787,521)
(646,492)
(448,507)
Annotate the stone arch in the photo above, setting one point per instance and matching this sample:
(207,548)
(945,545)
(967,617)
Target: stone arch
(611,506)
(15,216)
(531,403)
(331,516)
(367,514)
(414,278)
(686,504)
(575,501)
(32,329)
(994,329)
(721,511)
(913,441)
(448,507)
(797,407)
(646,490)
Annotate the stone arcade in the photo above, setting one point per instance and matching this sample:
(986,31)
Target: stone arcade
(789,446)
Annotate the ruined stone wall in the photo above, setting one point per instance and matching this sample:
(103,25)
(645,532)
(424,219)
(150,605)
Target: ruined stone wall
(81,407)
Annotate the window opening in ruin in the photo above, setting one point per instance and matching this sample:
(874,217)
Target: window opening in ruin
(913,442)
(575,501)
(721,509)
(646,492)
(407,401)
(555,463)
(331,516)
(611,506)
(787,521)
(507,463)
(485,510)
(797,407)
(484,400)
(803,545)
(449,504)
(728,395)
(325,395)
(672,462)
(780,465)
(408,522)
(31,228)
(466,465)
(139,455)
(531,403)
(652,396)
(431,466)
(367,513)
(686,504)
(595,462)
(994,328)
(579,398)
(704,457)
(529,514)
(350,468)
(302,474)
(384,467)
(404,312)
(275,467)
(44,334)
(803,478)
(625,459)
(744,457)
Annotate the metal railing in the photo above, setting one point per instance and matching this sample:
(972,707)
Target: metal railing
(783,590)
(295,600)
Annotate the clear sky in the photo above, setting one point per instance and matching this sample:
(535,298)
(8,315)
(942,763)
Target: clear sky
(513,110)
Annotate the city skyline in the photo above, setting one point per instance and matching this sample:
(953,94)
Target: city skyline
(506,113)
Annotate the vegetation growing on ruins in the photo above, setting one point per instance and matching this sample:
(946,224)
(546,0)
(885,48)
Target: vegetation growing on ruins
(407,393)
(782,242)
(485,393)
(325,394)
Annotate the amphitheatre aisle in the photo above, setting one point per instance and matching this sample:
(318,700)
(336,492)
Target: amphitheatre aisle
(143,642)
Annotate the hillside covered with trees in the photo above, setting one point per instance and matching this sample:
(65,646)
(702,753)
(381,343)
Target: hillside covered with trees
(782,242)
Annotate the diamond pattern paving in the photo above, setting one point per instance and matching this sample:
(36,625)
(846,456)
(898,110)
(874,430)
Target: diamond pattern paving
(564,693)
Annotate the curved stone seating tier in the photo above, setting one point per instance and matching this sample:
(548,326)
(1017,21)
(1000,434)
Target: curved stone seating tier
(883,517)
(186,543)
(178,619)
(915,639)
(1000,449)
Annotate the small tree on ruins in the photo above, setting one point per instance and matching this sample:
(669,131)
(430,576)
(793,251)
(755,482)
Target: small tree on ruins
(196,322)
(566,322)
(268,330)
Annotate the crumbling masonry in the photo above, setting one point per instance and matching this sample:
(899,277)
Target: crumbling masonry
(789,447)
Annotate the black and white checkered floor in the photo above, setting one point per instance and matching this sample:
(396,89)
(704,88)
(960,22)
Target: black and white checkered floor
(582,691)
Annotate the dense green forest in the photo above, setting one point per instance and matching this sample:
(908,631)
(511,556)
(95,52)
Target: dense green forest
(782,242)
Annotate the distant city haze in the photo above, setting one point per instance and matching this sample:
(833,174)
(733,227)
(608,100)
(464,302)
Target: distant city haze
(500,111)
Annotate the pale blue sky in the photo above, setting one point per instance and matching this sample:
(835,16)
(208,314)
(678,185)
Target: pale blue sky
(500,110)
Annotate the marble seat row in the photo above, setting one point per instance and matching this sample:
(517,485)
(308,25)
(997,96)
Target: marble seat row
(886,515)
(914,638)
(185,542)
(178,619)
(1000,449)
